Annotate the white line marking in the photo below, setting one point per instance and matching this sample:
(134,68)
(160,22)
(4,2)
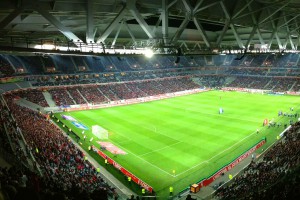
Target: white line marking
(206,161)
(142,159)
(137,155)
(160,149)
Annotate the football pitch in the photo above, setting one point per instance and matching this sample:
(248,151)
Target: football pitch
(179,141)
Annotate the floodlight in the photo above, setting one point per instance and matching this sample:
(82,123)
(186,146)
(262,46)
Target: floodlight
(148,53)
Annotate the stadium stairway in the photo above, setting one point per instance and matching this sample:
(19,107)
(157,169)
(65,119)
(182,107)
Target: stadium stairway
(229,80)
(103,94)
(267,84)
(74,102)
(82,96)
(30,105)
(197,81)
(291,88)
(49,99)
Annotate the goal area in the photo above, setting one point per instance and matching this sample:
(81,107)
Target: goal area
(99,132)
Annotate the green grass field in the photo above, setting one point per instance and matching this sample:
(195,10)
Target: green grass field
(186,133)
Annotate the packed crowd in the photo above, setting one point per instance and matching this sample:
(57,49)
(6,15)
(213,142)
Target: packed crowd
(97,94)
(92,94)
(77,97)
(34,95)
(248,71)
(243,82)
(261,177)
(267,83)
(66,172)
(5,68)
(61,97)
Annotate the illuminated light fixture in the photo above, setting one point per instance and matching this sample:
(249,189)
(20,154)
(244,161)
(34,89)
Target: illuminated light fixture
(148,53)
(45,46)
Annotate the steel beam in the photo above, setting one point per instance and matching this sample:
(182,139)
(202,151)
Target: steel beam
(202,32)
(112,25)
(187,6)
(117,35)
(165,21)
(181,28)
(287,22)
(198,4)
(224,30)
(276,30)
(262,42)
(271,38)
(139,18)
(90,22)
(254,30)
(242,9)
(157,25)
(207,6)
(260,9)
(289,38)
(64,30)
(254,20)
(298,39)
(130,33)
(9,18)
(171,4)
(235,33)
(274,12)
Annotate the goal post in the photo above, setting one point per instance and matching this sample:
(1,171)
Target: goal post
(99,132)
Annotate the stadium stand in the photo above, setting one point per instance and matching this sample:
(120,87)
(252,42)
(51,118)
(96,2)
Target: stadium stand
(116,78)
(65,171)
(274,177)
(35,96)
(74,92)
(5,68)
(61,97)
(92,94)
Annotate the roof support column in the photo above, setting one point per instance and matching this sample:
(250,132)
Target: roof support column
(236,35)
(165,21)
(64,30)
(112,26)
(254,20)
(117,35)
(10,17)
(202,32)
(224,30)
(130,33)
(90,22)
(139,18)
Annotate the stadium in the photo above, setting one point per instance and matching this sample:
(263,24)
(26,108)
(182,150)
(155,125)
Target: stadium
(136,99)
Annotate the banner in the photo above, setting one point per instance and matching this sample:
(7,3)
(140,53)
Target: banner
(124,171)
(132,101)
(219,173)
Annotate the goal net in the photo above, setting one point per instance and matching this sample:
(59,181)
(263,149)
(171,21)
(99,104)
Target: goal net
(99,132)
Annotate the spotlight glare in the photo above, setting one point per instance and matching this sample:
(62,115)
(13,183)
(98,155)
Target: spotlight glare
(148,53)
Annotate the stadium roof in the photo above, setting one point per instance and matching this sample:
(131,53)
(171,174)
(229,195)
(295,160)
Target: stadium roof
(189,24)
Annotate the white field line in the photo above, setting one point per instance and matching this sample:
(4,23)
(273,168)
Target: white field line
(143,159)
(180,141)
(171,145)
(206,161)
(139,156)
(160,149)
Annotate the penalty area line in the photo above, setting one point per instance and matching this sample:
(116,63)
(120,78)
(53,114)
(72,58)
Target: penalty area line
(143,159)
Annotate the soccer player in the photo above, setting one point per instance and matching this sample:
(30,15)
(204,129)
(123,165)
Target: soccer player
(221,111)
